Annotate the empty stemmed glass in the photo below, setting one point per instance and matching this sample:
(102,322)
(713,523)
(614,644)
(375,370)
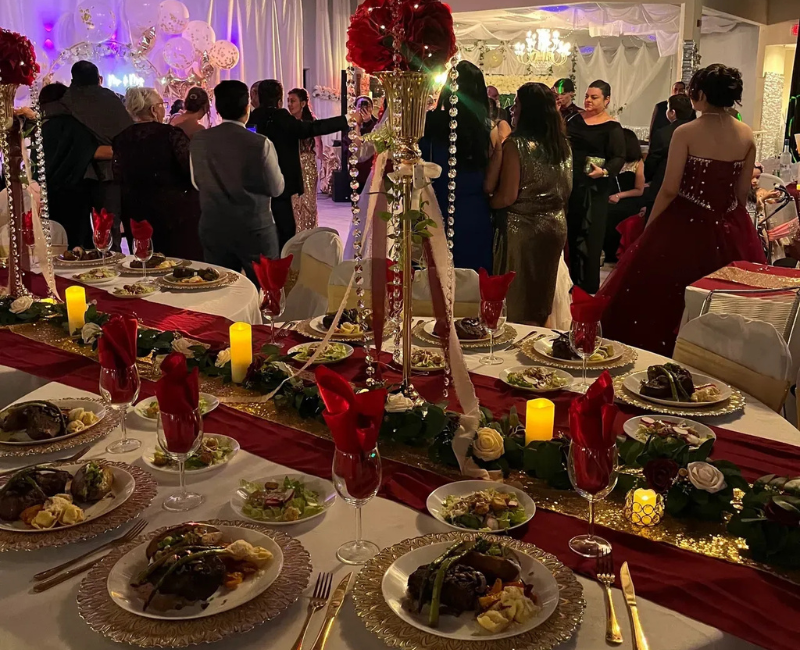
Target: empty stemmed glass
(357,478)
(28,236)
(143,252)
(593,474)
(180,435)
(102,242)
(585,338)
(119,388)
(272,308)
(493,317)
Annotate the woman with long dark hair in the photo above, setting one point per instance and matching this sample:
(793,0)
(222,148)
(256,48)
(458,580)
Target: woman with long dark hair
(626,194)
(195,108)
(305,204)
(535,179)
(472,240)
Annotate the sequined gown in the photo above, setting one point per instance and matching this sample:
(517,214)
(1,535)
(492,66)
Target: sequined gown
(701,231)
(532,237)
(305,204)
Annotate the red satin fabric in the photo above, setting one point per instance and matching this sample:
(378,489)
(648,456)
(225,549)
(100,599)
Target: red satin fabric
(630,230)
(178,390)
(116,348)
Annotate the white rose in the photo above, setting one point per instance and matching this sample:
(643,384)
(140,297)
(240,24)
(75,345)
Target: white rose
(182,345)
(223,358)
(90,332)
(488,444)
(706,477)
(398,403)
(21,304)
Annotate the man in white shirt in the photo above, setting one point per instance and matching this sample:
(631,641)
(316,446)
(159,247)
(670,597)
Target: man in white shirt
(236,172)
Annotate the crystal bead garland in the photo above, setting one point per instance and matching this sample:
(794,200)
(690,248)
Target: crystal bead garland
(5,149)
(44,210)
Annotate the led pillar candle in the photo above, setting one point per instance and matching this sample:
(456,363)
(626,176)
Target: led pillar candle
(75,297)
(241,350)
(539,416)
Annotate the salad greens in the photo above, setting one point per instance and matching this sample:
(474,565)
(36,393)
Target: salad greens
(287,501)
(332,352)
(212,451)
(484,510)
(537,378)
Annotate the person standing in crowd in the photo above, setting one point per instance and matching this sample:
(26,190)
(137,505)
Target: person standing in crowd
(254,95)
(699,222)
(366,151)
(304,205)
(534,186)
(286,133)
(196,107)
(237,174)
(564,90)
(598,151)
(500,128)
(69,150)
(151,164)
(472,241)
(660,119)
(177,107)
(502,113)
(627,189)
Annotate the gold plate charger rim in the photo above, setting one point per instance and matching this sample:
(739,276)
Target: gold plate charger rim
(734,403)
(225,280)
(508,336)
(372,608)
(133,273)
(628,357)
(64,265)
(304,328)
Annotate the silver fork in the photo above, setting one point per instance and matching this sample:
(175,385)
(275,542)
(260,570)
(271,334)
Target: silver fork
(134,531)
(605,576)
(518,344)
(322,591)
(69,459)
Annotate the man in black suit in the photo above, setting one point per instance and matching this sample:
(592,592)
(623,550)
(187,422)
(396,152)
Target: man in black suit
(659,119)
(286,132)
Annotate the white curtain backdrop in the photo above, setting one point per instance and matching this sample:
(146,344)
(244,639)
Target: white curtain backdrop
(332,20)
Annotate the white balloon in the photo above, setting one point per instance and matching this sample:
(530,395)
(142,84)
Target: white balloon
(200,34)
(173,16)
(141,15)
(224,55)
(94,21)
(178,53)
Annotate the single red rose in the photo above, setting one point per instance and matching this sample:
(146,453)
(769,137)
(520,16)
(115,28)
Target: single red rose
(780,515)
(661,474)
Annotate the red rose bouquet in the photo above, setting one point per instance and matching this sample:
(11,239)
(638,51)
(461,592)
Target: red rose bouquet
(17,59)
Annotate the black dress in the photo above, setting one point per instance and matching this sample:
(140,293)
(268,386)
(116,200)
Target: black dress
(618,212)
(151,162)
(588,204)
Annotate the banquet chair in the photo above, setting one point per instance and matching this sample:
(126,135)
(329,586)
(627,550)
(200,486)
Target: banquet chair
(320,253)
(779,307)
(748,354)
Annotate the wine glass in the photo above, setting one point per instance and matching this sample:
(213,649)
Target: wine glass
(593,474)
(29,239)
(180,435)
(119,388)
(357,478)
(272,307)
(585,338)
(143,252)
(493,317)
(102,242)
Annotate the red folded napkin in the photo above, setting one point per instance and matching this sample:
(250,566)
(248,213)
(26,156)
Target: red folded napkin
(272,276)
(494,287)
(102,222)
(591,416)
(27,229)
(586,308)
(116,348)
(178,390)
(141,229)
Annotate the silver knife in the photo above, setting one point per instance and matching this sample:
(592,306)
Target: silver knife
(334,605)
(639,640)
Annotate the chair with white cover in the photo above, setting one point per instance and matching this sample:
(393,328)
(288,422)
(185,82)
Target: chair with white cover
(320,253)
(748,354)
(779,307)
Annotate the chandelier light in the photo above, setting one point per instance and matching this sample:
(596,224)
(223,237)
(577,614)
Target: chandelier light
(542,50)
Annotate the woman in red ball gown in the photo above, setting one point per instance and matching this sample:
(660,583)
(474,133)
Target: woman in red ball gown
(698,224)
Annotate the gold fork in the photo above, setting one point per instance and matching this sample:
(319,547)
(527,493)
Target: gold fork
(605,576)
(322,591)
(134,531)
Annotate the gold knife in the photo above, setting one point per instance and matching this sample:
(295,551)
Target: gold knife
(335,604)
(640,642)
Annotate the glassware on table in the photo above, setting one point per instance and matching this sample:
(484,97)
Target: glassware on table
(180,436)
(143,252)
(29,239)
(357,478)
(119,388)
(585,339)
(593,474)
(272,308)
(102,242)
(493,317)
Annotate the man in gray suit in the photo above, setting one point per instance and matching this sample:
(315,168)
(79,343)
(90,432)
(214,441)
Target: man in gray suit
(237,173)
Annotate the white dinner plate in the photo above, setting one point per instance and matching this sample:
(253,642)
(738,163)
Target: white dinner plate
(560,373)
(316,325)
(631,427)
(121,490)
(322,362)
(96,281)
(172,281)
(142,406)
(431,324)
(325,490)
(465,627)
(135,561)
(435,502)
(149,452)
(21,438)
(545,348)
(633,383)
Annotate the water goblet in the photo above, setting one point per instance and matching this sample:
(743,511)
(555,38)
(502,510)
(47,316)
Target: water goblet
(493,317)
(180,435)
(272,308)
(143,252)
(102,242)
(357,478)
(119,388)
(585,338)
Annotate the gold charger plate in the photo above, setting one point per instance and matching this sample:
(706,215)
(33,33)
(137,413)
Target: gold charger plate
(110,421)
(509,334)
(304,328)
(379,618)
(734,403)
(105,617)
(133,273)
(225,280)
(111,260)
(629,356)
(141,497)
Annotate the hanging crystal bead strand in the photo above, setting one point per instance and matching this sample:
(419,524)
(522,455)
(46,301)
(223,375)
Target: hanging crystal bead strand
(44,211)
(14,283)
(451,195)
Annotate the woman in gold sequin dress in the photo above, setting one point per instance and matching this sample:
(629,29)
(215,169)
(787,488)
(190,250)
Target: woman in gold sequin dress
(305,205)
(535,179)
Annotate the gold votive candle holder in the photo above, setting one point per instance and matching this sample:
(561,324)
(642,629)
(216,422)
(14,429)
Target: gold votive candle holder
(644,507)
